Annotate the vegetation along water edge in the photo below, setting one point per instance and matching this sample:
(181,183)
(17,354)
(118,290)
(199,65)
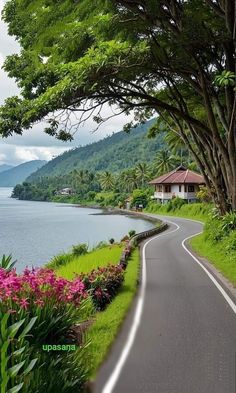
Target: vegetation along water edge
(67,304)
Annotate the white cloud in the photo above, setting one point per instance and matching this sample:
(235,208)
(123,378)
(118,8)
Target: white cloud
(11,154)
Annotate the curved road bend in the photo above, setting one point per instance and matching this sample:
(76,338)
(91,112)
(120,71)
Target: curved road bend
(186,339)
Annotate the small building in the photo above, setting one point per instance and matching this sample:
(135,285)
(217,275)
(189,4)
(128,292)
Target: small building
(181,182)
(65,191)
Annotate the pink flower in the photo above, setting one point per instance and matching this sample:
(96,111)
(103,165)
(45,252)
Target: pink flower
(39,303)
(24,303)
(10,311)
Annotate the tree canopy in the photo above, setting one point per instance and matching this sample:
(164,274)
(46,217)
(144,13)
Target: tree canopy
(174,58)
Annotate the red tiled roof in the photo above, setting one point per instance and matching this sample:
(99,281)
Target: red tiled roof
(180,175)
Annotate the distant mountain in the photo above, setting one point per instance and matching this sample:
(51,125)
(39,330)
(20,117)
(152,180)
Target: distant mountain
(114,153)
(5,167)
(18,174)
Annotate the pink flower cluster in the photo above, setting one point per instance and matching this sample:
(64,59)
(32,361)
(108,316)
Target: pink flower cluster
(37,286)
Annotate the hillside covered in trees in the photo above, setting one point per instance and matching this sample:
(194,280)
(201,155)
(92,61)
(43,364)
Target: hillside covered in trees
(114,153)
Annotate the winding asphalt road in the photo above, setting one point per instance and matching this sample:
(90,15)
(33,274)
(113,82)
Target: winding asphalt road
(180,336)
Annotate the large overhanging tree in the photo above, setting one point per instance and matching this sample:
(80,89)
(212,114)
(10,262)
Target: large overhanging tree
(174,58)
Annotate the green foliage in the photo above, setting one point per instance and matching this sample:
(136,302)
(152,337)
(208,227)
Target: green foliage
(99,257)
(60,372)
(7,263)
(140,59)
(113,154)
(218,228)
(203,195)
(103,188)
(107,181)
(132,232)
(221,254)
(15,354)
(59,260)
(80,249)
(175,204)
(226,78)
(139,197)
(103,284)
(198,211)
(107,198)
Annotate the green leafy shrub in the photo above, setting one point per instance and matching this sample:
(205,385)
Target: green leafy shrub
(230,243)
(229,222)
(132,232)
(177,203)
(103,284)
(63,372)
(55,305)
(15,354)
(7,263)
(80,249)
(192,210)
(217,228)
(60,260)
(203,194)
(139,197)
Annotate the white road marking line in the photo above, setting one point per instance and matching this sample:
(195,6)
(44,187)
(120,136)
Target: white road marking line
(217,284)
(110,384)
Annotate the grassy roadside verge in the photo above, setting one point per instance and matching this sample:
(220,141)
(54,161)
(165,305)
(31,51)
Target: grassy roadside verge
(103,332)
(195,211)
(92,260)
(216,255)
(105,327)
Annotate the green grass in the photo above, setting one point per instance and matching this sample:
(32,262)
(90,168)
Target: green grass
(103,331)
(94,259)
(106,326)
(195,211)
(215,253)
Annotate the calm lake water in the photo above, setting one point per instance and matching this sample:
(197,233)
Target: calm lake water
(33,232)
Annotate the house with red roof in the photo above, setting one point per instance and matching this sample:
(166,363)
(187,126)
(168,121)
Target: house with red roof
(181,182)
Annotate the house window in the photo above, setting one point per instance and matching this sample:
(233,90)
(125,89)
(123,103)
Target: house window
(180,188)
(185,188)
(190,188)
(167,188)
(159,188)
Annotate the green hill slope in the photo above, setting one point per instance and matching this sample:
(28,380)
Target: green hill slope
(18,174)
(114,153)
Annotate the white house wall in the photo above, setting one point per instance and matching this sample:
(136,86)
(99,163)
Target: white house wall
(175,191)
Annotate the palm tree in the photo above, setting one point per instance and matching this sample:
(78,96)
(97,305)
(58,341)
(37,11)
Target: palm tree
(142,172)
(131,179)
(178,147)
(164,162)
(107,181)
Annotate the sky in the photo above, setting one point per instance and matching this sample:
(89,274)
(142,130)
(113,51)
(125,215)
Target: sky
(35,144)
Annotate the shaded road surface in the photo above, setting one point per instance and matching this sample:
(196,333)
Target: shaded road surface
(186,339)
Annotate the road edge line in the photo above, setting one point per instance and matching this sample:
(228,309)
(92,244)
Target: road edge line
(112,380)
(210,275)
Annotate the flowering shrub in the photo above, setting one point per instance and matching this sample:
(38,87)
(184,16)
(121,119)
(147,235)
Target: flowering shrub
(56,302)
(103,284)
(36,286)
